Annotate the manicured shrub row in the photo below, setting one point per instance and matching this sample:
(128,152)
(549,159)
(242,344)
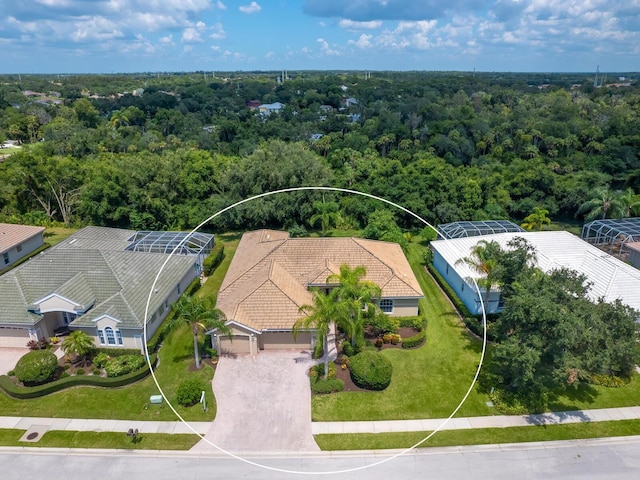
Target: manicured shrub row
(115,352)
(371,370)
(607,380)
(416,340)
(213,259)
(458,304)
(329,385)
(17,391)
(123,364)
(193,287)
(418,322)
(36,367)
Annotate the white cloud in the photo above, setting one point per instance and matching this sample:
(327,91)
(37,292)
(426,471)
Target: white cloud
(351,25)
(191,35)
(218,31)
(253,7)
(168,40)
(363,42)
(326,49)
(220,5)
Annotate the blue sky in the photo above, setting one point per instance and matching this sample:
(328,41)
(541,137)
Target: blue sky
(109,36)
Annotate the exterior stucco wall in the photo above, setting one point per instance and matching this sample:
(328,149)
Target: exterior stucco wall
(26,247)
(403,307)
(465,291)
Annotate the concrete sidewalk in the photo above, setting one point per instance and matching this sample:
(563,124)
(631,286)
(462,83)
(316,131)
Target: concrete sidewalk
(496,421)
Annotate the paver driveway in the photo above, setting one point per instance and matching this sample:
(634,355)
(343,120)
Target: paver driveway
(264,404)
(9,356)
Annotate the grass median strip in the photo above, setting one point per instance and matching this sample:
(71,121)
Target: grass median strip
(110,440)
(479,436)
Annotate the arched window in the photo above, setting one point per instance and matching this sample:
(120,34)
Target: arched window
(111,337)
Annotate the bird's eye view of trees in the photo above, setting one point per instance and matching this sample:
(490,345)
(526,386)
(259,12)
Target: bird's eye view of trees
(165,151)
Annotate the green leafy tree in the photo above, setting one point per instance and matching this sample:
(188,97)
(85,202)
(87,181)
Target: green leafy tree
(354,299)
(630,202)
(381,225)
(318,315)
(537,219)
(78,343)
(328,214)
(200,314)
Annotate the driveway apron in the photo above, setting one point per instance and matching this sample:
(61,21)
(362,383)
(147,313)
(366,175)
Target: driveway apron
(264,404)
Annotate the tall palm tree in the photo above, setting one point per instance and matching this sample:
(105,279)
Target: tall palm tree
(328,214)
(537,219)
(484,260)
(605,203)
(630,202)
(353,297)
(318,315)
(77,342)
(198,312)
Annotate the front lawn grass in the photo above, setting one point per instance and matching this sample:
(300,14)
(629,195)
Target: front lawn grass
(111,440)
(54,235)
(479,436)
(130,402)
(213,283)
(427,382)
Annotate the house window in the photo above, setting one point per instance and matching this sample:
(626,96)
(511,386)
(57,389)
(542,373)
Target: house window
(462,287)
(5,256)
(119,337)
(19,248)
(447,269)
(111,337)
(67,317)
(386,305)
(101,337)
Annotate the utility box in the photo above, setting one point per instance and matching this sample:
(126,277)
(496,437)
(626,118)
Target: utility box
(155,399)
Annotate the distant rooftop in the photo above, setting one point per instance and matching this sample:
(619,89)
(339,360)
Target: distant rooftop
(184,243)
(474,229)
(12,235)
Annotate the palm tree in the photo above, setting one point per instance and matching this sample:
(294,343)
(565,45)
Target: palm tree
(328,213)
(484,260)
(605,203)
(353,297)
(318,315)
(537,219)
(629,201)
(199,313)
(77,342)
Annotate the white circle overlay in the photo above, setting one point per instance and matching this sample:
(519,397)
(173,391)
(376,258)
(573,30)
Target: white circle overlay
(299,472)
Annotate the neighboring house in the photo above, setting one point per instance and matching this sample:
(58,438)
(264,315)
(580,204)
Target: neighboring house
(611,278)
(99,281)
(269,279)
(269,108)
(634,253)
(18,241)
(349,102)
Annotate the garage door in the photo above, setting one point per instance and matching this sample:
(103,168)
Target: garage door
(284,340)
(238,344)
(14,337)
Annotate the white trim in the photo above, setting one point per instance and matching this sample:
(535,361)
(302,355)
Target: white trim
(102,317)
(233,323)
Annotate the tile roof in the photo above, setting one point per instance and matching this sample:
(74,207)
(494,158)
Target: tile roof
(91,268)
(12,235)
(269,275)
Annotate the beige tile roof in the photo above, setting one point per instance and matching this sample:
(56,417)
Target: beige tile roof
(268,277)
(12,235)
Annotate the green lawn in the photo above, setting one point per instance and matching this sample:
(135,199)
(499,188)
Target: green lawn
(428,382)
(111,440)
(212,285)
(479,436)
(54,235)
(132,401)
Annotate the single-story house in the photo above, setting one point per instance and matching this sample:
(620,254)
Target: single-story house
(610,278)
(270,276)
(18,241)
(99,280)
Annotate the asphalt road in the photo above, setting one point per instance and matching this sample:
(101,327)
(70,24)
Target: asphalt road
(584,459)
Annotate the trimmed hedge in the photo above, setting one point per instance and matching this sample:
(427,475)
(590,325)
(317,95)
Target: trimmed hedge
(415,341)
(213,259)
(457,303)
(17,391)
(320,385)
(371,370)
(418,322)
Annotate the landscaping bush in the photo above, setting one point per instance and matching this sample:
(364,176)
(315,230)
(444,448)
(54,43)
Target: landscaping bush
(123,364)
(36,367)
(347,349)
(392,338)
(37,345)
(96,371)
(101,359)
(317,371)
(11,373)
(417,322)
(382,324)
(213,259)
(329,385)
(607,380)
(189,392)
(371,370)
(80,371)
(418,339)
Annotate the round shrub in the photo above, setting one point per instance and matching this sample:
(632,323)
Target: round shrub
(347,349)
(80,371)
(189,392)
(371,370)
(123,364)
(96,371)
(36,367)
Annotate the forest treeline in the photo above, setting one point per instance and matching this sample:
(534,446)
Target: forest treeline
(155,152)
